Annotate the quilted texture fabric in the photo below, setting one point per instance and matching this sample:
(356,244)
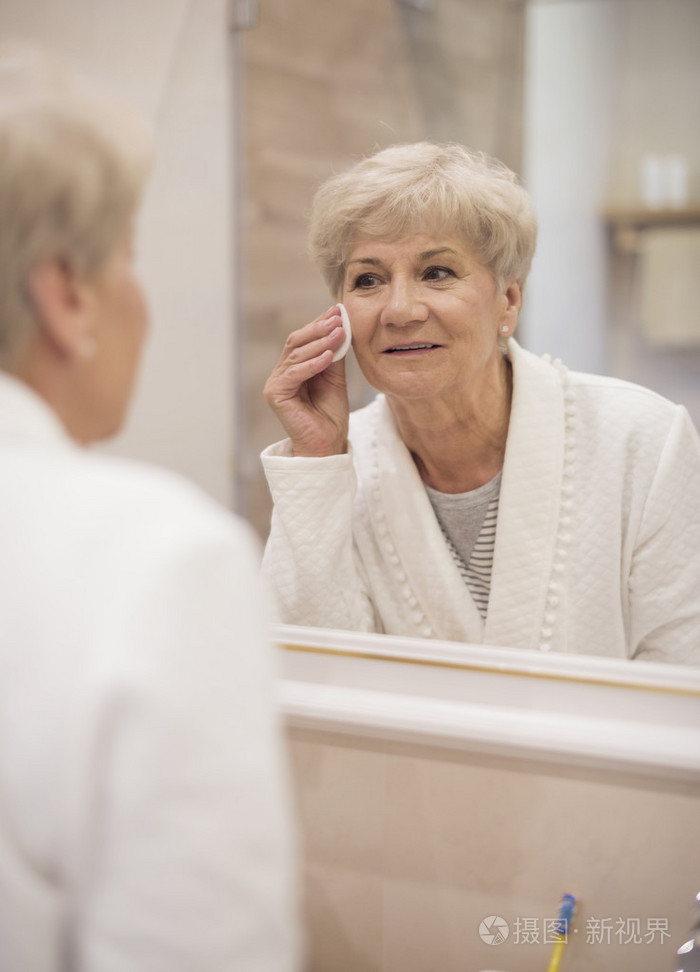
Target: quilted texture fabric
(598,537)
(144,821)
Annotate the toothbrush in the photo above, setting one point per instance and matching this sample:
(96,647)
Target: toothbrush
(567,906)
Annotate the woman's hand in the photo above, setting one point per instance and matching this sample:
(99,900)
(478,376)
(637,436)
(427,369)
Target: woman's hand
(307,390)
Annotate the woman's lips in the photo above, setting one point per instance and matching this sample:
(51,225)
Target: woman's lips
(418,347)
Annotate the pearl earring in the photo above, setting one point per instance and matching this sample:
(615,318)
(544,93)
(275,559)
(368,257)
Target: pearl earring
(505,329)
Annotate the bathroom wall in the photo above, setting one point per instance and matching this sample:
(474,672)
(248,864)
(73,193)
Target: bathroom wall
(569,70)
(324,85)
(319,85)
(606,82)
(655,110)
(409,848)
(168,58)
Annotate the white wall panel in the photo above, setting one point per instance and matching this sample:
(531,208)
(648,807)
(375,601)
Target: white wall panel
(168,59)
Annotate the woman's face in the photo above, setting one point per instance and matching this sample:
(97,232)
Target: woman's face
(120,323)
(426,316)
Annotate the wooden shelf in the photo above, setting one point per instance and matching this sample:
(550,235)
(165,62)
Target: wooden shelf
(626,224)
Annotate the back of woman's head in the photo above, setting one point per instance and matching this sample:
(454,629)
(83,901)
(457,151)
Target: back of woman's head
(425,188)
(72,166)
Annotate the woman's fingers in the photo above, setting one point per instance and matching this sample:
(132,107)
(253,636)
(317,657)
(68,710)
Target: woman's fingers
(299,366)
(307,353)
(310,334)
(307,388)
(296,352)
(286,380)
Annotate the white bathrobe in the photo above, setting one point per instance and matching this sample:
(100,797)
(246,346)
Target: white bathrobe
(143,805)
(597,544)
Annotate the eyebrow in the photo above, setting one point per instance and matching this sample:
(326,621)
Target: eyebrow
(370,260)
(425,255)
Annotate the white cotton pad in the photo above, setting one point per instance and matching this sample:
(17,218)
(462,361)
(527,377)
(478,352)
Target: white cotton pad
(345,346)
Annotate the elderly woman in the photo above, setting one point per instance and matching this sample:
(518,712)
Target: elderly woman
(486,495)
(143,819)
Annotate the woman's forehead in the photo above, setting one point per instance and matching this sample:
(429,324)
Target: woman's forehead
(419,245)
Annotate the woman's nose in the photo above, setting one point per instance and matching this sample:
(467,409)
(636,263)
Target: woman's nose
(403,305)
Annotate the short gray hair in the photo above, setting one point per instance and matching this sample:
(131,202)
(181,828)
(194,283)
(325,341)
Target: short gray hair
(72,168)
(424,187)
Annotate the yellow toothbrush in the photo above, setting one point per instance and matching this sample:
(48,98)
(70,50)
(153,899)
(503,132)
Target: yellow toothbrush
(566,913)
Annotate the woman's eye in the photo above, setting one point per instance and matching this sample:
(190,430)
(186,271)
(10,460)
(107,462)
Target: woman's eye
(438,273)
(364,281)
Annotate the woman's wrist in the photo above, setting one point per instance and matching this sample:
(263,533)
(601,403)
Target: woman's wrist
(319,451)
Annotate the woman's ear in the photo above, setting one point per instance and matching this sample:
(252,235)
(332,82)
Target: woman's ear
(61,299)
(513,300)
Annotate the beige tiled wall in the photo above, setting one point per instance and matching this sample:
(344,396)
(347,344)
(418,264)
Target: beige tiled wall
(408,849)
(324,85)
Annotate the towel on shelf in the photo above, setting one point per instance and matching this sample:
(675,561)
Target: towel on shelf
(669,289)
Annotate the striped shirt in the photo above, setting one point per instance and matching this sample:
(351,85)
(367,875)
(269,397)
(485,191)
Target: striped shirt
(468,522)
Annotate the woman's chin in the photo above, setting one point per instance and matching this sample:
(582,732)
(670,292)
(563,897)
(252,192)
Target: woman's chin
(409,386)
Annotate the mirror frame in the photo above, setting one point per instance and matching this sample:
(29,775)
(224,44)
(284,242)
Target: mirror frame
(576,710)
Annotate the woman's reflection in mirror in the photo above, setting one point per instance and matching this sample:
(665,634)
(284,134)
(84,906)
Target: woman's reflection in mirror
(486,495)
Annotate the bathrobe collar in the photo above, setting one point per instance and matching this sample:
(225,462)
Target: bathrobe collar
(527,519)
(421,550)
(26,419)
(528,512)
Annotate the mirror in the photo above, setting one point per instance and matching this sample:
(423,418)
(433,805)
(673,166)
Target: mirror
(322,88)
(570,94)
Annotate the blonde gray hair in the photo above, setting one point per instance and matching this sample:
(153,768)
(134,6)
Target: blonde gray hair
(72,168)
(424,187)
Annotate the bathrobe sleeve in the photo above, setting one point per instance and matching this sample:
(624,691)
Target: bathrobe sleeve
(664,581)
(183,853)
(311,562)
